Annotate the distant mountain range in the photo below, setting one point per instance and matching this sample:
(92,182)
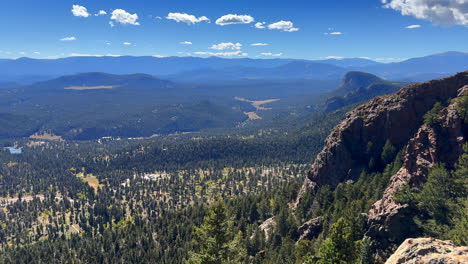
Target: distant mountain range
(214,68)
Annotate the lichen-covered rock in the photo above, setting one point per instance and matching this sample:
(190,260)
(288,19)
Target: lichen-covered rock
(429,251)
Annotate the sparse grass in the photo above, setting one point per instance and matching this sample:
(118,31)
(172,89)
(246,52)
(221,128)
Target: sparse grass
(90,179)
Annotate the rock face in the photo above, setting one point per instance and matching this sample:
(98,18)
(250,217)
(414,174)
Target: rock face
(310,229)
(397,118)
(444,143)
(268,226)
(360,87)
(428,251)
(354,80)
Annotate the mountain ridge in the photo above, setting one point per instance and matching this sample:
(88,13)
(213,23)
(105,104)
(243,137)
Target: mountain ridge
(416,68)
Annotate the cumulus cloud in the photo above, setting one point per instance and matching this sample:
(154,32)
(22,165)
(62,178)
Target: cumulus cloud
(79,11)
(68,39)
(272,54)
(259,44)
(282,25)
(186,43)
(186,18)
(123,17)
(413,26)
(234,19)
(442,12)
(127,43)
(260,25)
(222,54)
(227,46)
(101,13)
(336,33)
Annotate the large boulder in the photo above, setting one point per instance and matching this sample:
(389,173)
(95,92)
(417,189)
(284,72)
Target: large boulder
(428,251)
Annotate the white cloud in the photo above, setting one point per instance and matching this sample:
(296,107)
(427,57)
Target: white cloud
(282,25)
(68,39)
(186,18)
(259,44)
(123,17)
(272,54)
(334,58)
(260,25)
(413,26)
(223,54)
(390,59)
(37,53)
(226,46)
(79,11)
(159,56)
(440,12)
(92,55)
(127,43)
(186,43)
(336,33)
(101,13)
(234,19)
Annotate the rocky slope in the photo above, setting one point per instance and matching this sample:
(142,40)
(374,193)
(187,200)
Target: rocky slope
(397,118)
(428,250)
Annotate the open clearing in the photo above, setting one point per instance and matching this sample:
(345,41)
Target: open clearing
(90,179)
(252,115)
(258,104)
(46,136)
(90,87)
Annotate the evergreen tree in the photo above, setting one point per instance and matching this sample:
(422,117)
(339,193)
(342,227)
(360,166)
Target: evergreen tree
(388,153)
(215,240)
(339,247)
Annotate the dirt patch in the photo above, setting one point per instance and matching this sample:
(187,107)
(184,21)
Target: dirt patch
(258,104)
(99,87)
(252,115)
(46,136)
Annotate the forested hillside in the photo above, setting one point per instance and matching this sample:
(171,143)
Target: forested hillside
(162,199)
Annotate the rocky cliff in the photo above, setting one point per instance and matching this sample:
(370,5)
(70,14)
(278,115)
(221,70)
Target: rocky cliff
(398,119)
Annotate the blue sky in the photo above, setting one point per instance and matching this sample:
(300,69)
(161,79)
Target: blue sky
(292,29)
